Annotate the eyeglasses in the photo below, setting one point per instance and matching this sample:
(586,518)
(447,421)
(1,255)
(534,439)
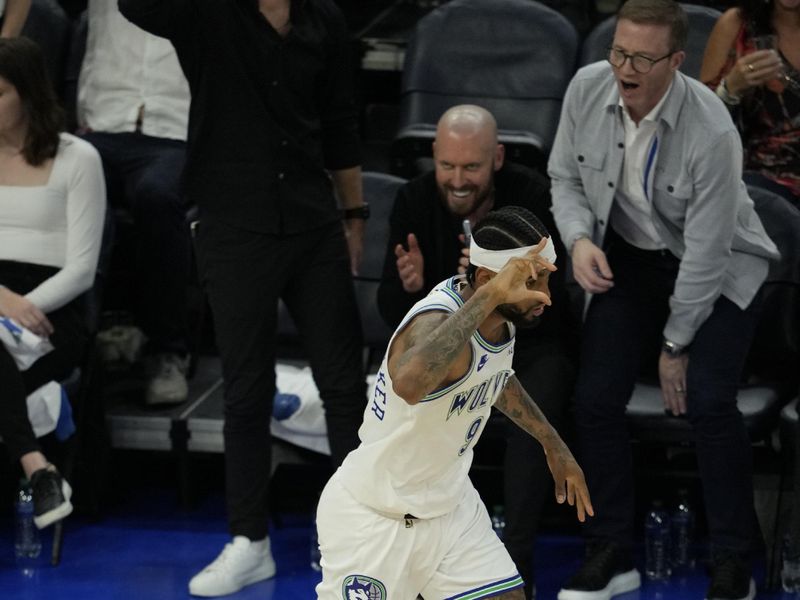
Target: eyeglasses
(640,63)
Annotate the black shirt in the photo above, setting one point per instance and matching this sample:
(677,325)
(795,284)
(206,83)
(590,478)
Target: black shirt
(419,209)
(268,115)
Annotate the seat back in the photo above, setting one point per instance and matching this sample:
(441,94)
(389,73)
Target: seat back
(380,190)
(701,21)
(512,57)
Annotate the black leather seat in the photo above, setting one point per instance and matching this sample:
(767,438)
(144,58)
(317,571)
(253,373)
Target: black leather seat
(701,22)
(380,190)
(512,57)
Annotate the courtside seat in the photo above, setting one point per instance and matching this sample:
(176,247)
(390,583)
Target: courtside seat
(759,406)
(512,57)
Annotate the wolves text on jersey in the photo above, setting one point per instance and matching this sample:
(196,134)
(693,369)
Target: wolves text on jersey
(479,395)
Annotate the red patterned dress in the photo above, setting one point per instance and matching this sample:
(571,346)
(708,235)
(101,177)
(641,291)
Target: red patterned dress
(768,120)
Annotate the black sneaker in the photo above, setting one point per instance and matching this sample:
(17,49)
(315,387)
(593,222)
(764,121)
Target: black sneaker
(606,572)
(51,494)
(730,580)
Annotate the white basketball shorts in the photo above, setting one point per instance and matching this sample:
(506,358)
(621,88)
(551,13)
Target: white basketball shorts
(369,556)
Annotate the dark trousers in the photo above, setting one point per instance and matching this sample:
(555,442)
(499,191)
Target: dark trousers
(69,341)
(143,175)
(244,273)
(625,324)
(547,373)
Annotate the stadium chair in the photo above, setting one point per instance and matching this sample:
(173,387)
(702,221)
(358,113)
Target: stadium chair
(380,190)
(512,57)
(701,22)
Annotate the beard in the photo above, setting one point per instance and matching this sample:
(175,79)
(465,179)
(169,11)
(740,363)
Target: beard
(517,317)
(482,194)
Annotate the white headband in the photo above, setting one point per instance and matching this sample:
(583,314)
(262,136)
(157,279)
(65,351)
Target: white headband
(494,260)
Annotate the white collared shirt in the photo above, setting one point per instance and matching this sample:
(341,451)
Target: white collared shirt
(127,72)
(631,213)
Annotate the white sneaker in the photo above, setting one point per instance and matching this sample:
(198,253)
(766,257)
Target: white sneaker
(240,563)
(166,379)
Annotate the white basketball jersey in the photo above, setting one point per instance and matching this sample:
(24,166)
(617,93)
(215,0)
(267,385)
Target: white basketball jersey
(415,459)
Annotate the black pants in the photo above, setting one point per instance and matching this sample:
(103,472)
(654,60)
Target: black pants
(69,341)
(624,325)
(244,273)
(547,373)
(143,175)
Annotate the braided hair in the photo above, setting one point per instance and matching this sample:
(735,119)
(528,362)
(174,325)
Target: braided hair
(506,228)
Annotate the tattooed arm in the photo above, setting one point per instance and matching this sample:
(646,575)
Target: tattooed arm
(518,406)
(433,349)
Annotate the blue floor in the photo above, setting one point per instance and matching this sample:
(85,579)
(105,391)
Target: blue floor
(146,548)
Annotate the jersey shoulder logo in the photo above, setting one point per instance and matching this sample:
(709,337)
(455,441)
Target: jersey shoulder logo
(482,362)
(361,587)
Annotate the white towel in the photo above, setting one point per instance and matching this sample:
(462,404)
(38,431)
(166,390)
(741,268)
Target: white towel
(24,346)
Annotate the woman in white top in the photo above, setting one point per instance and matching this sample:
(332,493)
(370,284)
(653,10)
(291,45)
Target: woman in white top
(52,208)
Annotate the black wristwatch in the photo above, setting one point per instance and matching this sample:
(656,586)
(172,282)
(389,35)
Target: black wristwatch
(672,349)
(359,212)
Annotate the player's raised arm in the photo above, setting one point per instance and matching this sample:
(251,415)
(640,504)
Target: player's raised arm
(425,353)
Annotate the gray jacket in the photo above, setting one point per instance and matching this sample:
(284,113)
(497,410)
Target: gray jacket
(700,206)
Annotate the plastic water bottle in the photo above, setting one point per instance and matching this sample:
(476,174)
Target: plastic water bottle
(499,520)
(657,542)
(27,544)
(790,570)
(314,551)
(682,532)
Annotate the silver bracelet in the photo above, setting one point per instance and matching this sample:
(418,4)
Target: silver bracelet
(725,95)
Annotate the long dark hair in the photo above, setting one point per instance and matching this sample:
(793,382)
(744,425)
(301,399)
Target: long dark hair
(757,15)
(22,65)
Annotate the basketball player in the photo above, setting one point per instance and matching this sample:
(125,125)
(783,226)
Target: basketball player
(400,517)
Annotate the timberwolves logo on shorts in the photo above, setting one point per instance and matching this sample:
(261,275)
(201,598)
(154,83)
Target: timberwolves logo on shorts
(361,587)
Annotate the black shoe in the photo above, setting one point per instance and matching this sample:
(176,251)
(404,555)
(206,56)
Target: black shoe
(730,579)
(51,494)
(606,572)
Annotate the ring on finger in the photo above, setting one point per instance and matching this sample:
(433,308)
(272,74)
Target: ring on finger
(679,390)
(751,67)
